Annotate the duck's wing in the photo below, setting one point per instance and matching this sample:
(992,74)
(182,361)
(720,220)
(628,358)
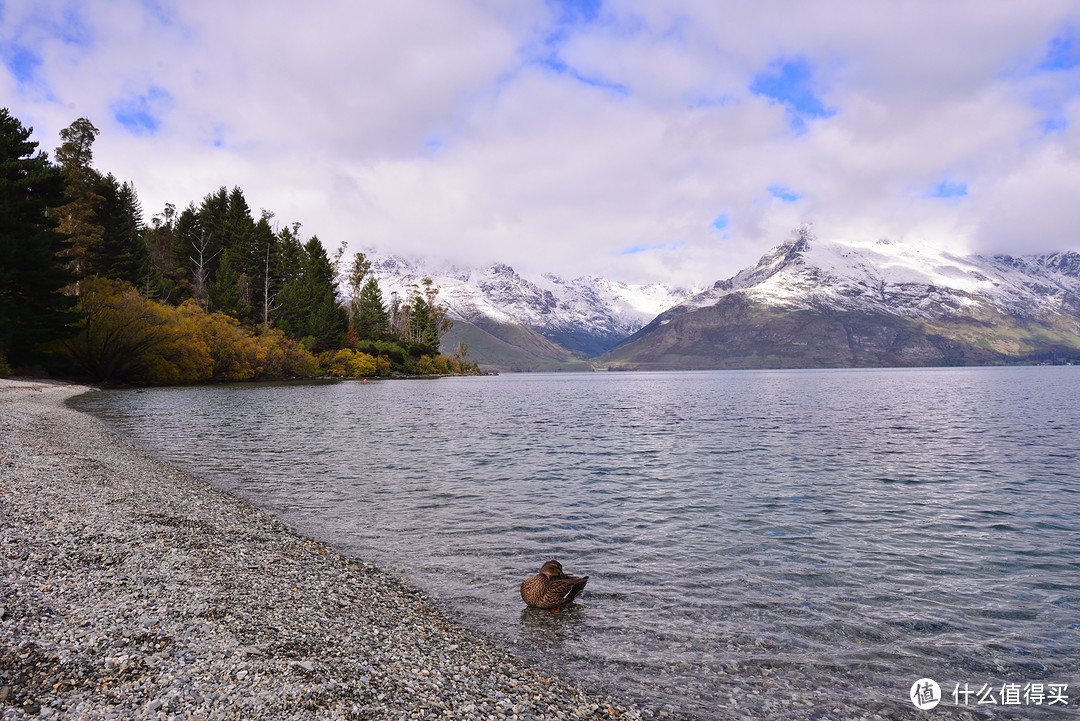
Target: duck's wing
(565,588)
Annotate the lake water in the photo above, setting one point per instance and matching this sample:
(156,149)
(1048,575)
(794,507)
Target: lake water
(757,542)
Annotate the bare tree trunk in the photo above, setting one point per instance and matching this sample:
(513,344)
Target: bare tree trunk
(267,299)
(201,272)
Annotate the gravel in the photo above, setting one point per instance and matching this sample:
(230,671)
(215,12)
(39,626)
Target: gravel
(133,590)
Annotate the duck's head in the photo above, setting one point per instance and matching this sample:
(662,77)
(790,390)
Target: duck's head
(551,568)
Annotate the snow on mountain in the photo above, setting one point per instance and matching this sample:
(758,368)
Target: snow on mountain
(903,278)
(586,314)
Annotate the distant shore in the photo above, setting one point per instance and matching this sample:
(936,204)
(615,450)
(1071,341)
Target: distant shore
(131,589)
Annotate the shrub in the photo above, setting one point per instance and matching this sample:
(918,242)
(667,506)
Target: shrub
(383,366)
(127,338)
(363,365)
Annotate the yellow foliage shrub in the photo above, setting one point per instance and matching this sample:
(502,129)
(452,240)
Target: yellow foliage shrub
(335,363)
(347,363)
(127,338)
(425,365)
(363,365)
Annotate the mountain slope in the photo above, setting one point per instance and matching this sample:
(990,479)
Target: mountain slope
(814,304)
(515,323)
(511,347)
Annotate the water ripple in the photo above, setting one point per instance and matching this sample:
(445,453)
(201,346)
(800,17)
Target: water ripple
(843,530)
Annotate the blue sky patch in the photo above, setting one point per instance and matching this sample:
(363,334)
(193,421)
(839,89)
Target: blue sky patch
(950,189)
(575,11)
(22,63)
(789,82)
(783,193)
(634,249)
(721,222)
(141,114)
(1053,124)
(554,63)
(219,135)
(641,248)
(1062,53)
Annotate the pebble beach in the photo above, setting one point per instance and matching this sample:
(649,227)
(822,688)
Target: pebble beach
(130,589)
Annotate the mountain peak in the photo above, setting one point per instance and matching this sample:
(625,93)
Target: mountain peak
(583,316)
(810,303)
(909,279)
(800,239)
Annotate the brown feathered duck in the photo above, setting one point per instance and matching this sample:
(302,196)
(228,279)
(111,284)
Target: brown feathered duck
(551,588)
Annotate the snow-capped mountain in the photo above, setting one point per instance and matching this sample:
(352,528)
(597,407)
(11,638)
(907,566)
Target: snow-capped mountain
(814,303)
(586,315)
(909,279)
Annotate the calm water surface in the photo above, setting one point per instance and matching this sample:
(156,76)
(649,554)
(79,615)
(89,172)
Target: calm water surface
(757,541)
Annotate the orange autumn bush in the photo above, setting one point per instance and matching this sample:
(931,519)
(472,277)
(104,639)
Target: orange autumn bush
(125,338)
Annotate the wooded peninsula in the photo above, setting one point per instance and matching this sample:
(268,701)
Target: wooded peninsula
(89,290)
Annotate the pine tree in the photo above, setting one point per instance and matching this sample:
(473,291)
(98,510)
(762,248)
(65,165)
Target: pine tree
(289,270)
(308,299)
(371,321)
(328,320)
(439,321)
(236,279)
(33,306)
(79,216)
(122,254)
(419,320)
(367,312)
(359,269)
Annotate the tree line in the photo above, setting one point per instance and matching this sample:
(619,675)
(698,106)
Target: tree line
(88,288)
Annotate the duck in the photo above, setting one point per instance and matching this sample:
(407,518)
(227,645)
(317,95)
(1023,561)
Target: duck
(551,588)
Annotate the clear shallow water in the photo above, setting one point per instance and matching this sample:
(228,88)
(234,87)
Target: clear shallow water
(756,541)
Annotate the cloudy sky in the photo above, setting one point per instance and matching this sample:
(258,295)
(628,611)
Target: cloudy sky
(671,140)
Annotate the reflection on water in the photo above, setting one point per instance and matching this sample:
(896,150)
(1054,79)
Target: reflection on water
(756,541)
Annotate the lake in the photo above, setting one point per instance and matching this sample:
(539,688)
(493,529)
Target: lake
(755,541)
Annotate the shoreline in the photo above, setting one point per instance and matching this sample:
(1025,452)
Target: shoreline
(133,589)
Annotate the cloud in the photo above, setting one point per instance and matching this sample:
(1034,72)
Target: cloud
(556,135)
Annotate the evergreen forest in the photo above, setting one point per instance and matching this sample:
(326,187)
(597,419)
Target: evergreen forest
(89,289)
